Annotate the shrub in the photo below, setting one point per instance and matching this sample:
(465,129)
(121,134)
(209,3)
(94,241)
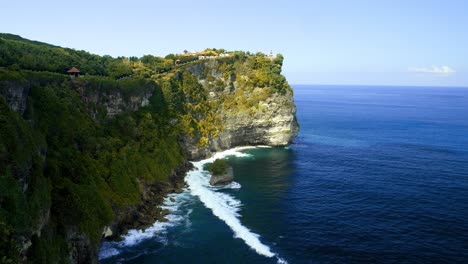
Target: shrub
(219,166)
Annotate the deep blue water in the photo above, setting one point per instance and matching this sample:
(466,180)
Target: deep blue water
(376,175)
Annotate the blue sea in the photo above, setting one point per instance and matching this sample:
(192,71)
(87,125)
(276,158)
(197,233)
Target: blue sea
(376,175)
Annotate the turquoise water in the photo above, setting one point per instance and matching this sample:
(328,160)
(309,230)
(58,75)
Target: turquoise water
(376,175)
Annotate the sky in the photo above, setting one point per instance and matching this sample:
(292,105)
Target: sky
(399,42)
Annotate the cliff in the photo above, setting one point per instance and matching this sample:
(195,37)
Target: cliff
(273,123)
(87,158)
(248,111)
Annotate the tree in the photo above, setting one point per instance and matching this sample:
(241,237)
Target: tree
(219,166)
(170,56)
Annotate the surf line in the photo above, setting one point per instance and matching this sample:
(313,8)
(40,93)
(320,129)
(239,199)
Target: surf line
(224,206)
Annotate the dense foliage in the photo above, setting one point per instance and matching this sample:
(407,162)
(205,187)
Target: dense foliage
(65,164)
(33,55)
(219,166)
(86,168)
(19,159)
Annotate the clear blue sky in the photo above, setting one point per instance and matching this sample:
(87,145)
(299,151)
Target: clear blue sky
(399,42)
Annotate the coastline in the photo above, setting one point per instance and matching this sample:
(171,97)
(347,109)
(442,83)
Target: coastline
(144,215)
(99,153)
(225,207)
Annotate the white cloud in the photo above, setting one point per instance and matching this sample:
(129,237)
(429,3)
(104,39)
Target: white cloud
(438,70)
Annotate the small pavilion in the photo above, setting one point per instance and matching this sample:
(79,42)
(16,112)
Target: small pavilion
(73,72)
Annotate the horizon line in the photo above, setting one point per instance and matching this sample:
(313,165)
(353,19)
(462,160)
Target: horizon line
(380,85)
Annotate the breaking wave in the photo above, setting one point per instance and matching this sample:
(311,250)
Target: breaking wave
(225,206)
(158,230)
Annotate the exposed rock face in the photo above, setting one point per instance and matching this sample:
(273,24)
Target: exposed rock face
(107,232)
(148,211)
(273,122)
(15,94)
(112,101)
(221,179)
(82,250)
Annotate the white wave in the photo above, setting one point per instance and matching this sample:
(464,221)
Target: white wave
(224,206)
(107,251)
(233,185)
(188,223)
(281,261)
(136,236)
(158,229)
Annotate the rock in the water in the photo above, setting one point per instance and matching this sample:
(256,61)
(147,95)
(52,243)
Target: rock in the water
(221,179)
(165,212)
(107,232)
(162,219)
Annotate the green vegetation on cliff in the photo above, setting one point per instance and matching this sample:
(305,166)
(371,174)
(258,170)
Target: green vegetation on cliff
(77,167)
(74,153)
(38,56)
(219,166)
(20,167)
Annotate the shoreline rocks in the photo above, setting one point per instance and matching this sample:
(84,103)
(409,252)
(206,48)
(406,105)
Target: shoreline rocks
(222,179)
(148,211)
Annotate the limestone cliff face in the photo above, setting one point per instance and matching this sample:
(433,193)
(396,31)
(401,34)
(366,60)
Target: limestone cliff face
(270,121)
(15,94)
(246,98)
(275,126)
(114,103)
(111,99)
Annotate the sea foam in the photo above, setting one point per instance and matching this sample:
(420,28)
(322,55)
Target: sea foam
(158,230)
(225,206)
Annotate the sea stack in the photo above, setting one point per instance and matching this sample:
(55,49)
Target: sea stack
(223,178)
(221,172)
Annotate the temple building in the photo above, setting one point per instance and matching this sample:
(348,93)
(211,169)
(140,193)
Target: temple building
(74,72)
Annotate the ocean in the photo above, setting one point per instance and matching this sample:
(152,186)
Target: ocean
(376,175)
